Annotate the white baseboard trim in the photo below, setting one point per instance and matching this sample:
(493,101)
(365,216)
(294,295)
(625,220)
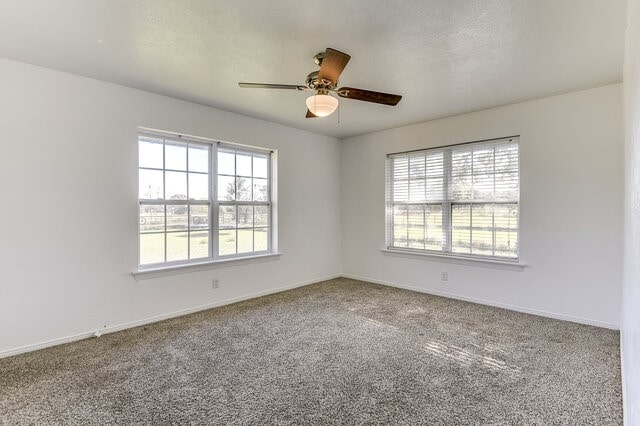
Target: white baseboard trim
(157,318)
(538,312)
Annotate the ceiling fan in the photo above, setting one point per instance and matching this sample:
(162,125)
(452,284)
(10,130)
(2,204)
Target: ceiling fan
(325,81)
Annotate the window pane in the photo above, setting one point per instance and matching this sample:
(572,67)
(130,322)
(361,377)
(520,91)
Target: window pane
(226,188)
(198,186)
(435,164)
(461,241)
(261,239)
(151,218)
(198,158)
(461,187)
(417,166)
(506,216)
(482,216)
(176,185)
(483,160)
(417,190)
(507,243)
(482,242)
(433,233)
(227,217)
(243,165)
(226,162)
(461,233)
(260,190)
(415,231)
(243,189)
(199,217)
(150,185)
(150,152)
(226,242)
(177,217)
(400,167)
(507,185)
(260,167)
(261,217)
(175,156)
(245,240)
(461,215)
(199,244)
(400,191)
(434,189)
(177,246)
(506,158)
(151,248)
(400,226)
(245,217)
(483,187)
(460,163)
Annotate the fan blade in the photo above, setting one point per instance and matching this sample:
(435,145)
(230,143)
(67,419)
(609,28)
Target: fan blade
(272,86)
(310,115)
(368,96)
(333,62)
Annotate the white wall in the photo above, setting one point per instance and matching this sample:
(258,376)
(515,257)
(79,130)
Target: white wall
(631,283)
(571,150)
(68,244)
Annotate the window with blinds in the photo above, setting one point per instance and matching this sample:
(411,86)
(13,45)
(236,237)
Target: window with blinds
(457,200)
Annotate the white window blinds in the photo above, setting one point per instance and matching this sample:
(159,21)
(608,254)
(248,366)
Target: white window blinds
(458,200)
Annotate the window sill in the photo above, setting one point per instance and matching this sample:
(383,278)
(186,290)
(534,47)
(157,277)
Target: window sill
(144,274)
(460,260)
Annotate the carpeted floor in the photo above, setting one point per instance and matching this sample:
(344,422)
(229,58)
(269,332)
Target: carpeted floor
(337,352)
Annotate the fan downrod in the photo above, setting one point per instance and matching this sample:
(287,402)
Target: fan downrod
(318,58)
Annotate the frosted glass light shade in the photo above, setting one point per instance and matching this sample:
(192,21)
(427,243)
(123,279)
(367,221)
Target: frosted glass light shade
(322,105)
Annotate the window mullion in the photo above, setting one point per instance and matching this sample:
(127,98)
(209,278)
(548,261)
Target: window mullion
(493,207)
(188,208)
(424,224)
(213,198)
(447,228)
(390,206)
(235,167)
(269,210)
(164,192)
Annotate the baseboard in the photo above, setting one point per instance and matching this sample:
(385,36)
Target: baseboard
(538,312)
(157,318)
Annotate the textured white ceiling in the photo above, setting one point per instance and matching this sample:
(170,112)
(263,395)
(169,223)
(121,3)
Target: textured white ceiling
(444,56)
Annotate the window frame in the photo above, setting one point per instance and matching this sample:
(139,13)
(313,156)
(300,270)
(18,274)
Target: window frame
(212,202)
(447,204)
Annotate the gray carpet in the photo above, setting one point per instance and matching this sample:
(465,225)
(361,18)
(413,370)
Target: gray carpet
(337,352)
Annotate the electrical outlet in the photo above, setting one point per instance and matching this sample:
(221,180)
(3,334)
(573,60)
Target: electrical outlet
(444,276)
(215,284)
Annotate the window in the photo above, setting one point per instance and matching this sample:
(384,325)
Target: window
(202,201)
(459,200)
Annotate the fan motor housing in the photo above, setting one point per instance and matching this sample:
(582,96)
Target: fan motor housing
(316,83)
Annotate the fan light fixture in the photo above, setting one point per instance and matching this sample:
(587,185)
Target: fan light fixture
(322,105)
